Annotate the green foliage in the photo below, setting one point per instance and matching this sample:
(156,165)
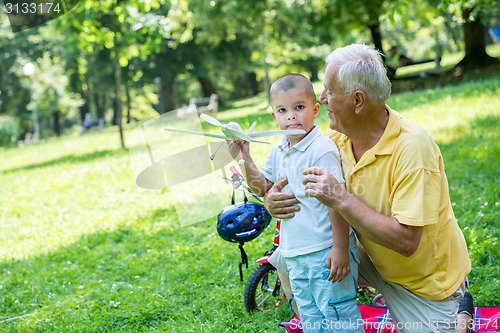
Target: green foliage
(49,89)
(478,7)
(8,130)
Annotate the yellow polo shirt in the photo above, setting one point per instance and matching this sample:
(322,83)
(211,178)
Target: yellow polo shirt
(403,176)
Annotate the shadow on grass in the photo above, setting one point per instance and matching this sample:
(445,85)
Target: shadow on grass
(70,159)
(429,91)
(147,277)
(477,152)
(472,170)
(449,78)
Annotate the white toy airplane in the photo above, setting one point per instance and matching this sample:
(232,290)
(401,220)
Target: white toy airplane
(233,131)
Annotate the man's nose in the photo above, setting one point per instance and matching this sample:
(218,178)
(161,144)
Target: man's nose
(322,97)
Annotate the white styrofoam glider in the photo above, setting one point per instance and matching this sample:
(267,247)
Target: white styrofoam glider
(233,131)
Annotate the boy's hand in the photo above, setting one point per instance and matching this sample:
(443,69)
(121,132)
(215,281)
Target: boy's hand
(239,149)
(338,263)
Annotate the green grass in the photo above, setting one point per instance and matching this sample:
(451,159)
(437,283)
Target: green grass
(85,250)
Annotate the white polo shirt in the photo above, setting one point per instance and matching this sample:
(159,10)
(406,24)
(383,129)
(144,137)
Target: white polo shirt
(310,229)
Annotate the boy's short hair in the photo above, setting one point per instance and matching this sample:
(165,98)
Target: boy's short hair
(293,81)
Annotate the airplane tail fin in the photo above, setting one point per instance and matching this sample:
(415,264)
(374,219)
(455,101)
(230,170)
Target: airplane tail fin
(250,130)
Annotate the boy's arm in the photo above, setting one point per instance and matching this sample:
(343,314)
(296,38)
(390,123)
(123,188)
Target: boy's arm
(338,258)
(254,178)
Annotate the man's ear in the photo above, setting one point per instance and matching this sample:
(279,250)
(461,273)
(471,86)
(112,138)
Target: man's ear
(359,99)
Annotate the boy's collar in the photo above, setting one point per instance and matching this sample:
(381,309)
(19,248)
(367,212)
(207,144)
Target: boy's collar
(302,144)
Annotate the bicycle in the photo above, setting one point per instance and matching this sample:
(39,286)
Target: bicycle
(263,288)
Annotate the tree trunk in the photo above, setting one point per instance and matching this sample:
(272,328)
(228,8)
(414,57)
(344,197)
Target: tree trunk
(36,124)
(314,72)
(118,94)
(114,119)
(57,123)
(99,101)
(207,87)
(475,43)
(129,102)
(167,93)
(267,81)
(84,109)
(376,36)
(252,81)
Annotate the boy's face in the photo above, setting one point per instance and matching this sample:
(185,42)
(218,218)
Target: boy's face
(294,109)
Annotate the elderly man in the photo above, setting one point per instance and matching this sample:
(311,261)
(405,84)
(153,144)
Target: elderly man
(396,196)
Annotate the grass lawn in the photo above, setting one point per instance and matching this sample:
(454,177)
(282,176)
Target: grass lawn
(85,250)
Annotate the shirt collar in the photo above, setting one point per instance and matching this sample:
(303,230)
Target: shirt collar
(385,146)
(302,144)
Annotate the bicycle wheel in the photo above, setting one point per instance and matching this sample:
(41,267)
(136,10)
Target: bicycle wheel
(263,289)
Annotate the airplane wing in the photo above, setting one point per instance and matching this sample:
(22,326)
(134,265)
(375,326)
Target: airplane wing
(236,134)
(211,120)
(219,136)
(276,133)
(257,141)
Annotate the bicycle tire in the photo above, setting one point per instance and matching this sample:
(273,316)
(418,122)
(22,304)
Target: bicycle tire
(263,289)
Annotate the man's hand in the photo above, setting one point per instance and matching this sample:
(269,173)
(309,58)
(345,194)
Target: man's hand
(281,205)
(323,186)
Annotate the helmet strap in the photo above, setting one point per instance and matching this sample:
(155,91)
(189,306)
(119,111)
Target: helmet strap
(244,257)
(245,199)
(233,196)
(244,260)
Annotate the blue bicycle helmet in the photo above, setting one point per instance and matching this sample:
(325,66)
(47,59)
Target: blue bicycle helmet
(242,222)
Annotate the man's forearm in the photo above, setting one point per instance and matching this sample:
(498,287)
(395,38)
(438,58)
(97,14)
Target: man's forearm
(378,228)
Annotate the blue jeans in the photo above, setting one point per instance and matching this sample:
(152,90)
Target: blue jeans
(325,306)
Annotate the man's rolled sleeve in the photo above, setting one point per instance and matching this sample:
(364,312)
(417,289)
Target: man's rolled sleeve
(416,198)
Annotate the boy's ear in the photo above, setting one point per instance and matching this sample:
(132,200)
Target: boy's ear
(272,114)
(317,107)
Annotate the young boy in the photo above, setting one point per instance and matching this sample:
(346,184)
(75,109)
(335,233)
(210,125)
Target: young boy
(312,256)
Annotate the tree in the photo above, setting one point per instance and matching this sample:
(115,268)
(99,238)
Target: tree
(475,41)
(38,102)
(471,14)
(126,29)
(229,36)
